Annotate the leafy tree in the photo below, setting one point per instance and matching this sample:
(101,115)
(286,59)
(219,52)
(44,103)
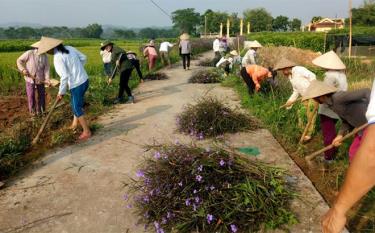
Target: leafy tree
(280,23)
(365,15)
(214,18)
(186,20)
(93,31)
(260,19)
(124,34)
(295,24)
(316,18)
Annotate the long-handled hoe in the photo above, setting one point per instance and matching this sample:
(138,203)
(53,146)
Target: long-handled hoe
(312,156)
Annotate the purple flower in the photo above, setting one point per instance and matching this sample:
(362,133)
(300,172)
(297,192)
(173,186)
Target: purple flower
(164,221)
(233,228)
(195,191)
(200,168)
(198,178)
(197,199)
(222,163)
(126,197)
(159,230)
(177,142)
(146,215)
(187,202)
(146,199)
(140,173)
(210,218)
(157,155)
(212,187)
(200,136)
(147,181)
(194,207)
(169,215)
(157,225)
(129,206)
(180,184)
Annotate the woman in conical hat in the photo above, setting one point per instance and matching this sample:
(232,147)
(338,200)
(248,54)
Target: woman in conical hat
(334,76)
(300,78)
(251,54)
(69,63)
(351,108)
(35,69)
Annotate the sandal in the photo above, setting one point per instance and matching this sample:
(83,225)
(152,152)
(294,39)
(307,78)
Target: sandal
(84,137)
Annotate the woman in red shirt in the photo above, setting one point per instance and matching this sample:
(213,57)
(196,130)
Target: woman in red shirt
(253,75)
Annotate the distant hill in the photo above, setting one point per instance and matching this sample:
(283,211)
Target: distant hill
(20,24)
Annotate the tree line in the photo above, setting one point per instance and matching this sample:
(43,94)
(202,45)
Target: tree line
(192,22)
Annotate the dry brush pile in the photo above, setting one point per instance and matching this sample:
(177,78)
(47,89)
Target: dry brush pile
(269,56)
(209,117)
(192,189)
(156,76)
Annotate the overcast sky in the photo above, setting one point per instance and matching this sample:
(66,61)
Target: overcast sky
(141,13)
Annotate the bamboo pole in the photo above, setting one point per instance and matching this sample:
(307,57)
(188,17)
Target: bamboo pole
(221,30)
(248,27)
(350,28)
(205,26)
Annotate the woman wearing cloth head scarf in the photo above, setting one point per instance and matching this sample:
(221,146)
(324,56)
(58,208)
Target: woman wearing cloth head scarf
(35,69)
(151,54)
(300,78)
(69,63)
(350,106)
(334,76)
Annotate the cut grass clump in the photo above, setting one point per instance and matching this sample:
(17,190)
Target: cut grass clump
(62,136)
(211,118)
(206,76)
(206,62)
(191,189)
(156,76)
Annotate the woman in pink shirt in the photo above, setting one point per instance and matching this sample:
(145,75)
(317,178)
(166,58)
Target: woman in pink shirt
(151,53)
(35,69)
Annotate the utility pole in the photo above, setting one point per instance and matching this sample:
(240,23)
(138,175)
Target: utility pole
(350,28)
(241,27)
(221,30)
(205,26)
(228,26)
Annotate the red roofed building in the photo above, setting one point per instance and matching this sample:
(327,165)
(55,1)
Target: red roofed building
(325,25)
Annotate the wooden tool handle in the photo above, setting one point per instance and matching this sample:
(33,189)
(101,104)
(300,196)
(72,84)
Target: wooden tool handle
(45,122)
(309,123)
(355,131)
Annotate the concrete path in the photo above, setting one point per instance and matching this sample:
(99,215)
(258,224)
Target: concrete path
(80,188)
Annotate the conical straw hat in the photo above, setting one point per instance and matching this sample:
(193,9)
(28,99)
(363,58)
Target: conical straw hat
(284,63)
(47,43)
(185,36)
(255,44)
(36,44)
(233,53)
(329,61)
(316,89)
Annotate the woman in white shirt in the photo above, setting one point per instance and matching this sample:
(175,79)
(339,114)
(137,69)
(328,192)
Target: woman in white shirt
(334,76)
(69,63)
(251,54)
(300,78)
